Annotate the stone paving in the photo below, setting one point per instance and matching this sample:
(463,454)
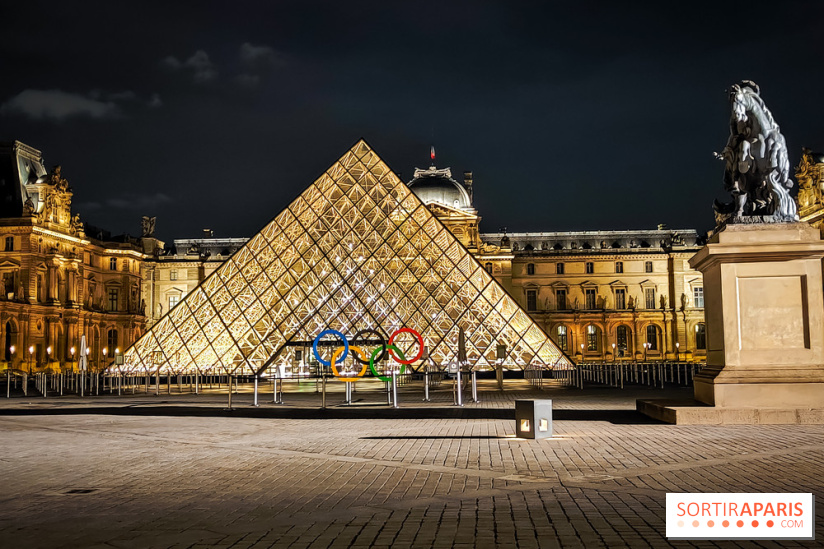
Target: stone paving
(181,472)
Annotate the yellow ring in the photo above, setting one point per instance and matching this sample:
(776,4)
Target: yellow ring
(336,354)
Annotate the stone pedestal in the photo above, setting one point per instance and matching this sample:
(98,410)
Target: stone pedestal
(764,307)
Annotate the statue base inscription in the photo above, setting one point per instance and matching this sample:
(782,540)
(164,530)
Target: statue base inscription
(764,307)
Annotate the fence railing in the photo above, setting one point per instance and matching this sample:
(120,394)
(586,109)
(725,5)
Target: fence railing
(621,374)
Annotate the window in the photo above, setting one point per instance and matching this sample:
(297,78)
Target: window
(113,299)
(559,268)
(560,299)
(620,298)
(648,267)
(487,266)
(173,272)
(8,283)
(112,264)
(532,300)
(111,340)
(9,243)
(590,297)
(125,265)
(619,266)
(701,337)
(561,338)
(40,288)
(652,337)
(592,338)
(530,268)
(698,297)
(590,267)
(649,297)
(173,300)
(622,340)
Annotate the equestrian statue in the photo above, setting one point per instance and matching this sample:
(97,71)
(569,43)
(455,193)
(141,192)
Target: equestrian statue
(757,172)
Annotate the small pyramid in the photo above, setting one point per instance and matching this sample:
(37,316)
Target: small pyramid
(356,250)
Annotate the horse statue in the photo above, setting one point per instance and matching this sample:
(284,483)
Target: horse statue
(757,172)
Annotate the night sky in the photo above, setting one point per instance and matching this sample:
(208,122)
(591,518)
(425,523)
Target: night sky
(572,115)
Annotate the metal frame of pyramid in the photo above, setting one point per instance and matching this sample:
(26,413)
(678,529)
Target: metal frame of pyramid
(356,250)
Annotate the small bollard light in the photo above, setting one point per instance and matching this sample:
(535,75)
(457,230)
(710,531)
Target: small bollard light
(530,414)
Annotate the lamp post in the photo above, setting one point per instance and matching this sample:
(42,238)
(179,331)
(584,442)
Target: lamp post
(677,352)
(646,346)
(613,352)
(582,352)
(105,350)
(11,356)
(48,354)
(31,357)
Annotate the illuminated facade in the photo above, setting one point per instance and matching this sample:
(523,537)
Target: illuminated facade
(178,269)
(356,250)
(607,295)
(810,176)
(60,278)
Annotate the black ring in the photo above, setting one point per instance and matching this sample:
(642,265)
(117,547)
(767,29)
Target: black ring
(383,344)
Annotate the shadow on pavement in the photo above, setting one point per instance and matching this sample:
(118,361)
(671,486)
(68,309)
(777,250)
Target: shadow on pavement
(620,417)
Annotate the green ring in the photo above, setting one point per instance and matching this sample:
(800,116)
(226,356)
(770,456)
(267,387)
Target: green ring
(381,350)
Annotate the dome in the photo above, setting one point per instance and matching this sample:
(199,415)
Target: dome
(437,186)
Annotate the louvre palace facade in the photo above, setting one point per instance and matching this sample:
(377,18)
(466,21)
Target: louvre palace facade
(61,278)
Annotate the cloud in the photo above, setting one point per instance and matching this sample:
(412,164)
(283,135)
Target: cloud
(258,56)
(58,105)
(199,64)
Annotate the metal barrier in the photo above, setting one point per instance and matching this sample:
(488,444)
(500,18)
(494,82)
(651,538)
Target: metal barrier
(620,374)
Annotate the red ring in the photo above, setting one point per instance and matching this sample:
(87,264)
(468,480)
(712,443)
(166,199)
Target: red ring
(420,345)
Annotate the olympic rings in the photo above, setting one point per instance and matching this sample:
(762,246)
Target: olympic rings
(383,345)
(330,332)
(420,345)
(372,363)
(355,351)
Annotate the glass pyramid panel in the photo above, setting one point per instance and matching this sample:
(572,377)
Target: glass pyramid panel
(355,250)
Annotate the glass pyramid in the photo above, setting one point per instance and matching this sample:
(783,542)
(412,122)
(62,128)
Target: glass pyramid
(356,250)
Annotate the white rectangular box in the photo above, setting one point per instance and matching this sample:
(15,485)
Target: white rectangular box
(740,516)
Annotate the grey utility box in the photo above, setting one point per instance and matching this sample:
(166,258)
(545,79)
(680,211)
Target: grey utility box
(533,418)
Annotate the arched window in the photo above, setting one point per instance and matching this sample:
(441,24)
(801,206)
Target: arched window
(652,337)
(561,338)
(592,338)
(10,333)
(622,340)
(701,336)
(488,267)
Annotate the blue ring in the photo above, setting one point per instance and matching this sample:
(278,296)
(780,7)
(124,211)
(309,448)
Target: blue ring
(328,363)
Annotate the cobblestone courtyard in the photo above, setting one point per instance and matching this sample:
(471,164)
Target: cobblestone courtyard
(179,471)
